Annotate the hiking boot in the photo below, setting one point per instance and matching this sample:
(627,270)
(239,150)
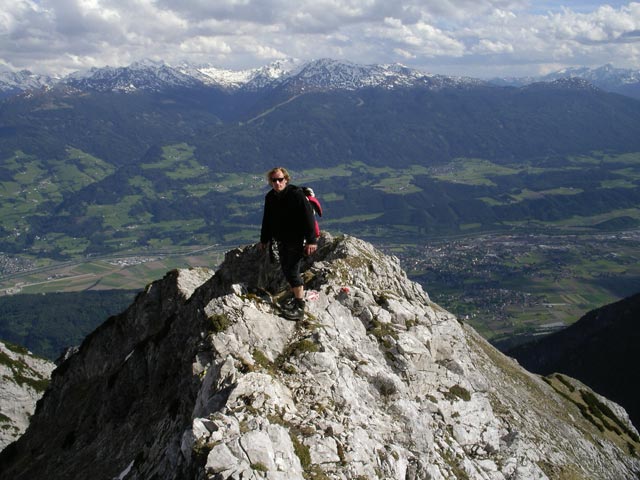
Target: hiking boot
(288,304)
(295,312)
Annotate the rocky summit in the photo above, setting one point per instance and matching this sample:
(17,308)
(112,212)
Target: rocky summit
(200,378)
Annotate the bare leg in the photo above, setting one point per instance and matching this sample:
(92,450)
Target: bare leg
(298,292)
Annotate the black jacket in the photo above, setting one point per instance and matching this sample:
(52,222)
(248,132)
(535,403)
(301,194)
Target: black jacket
(288,216)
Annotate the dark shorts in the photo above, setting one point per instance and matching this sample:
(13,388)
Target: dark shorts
(291,255)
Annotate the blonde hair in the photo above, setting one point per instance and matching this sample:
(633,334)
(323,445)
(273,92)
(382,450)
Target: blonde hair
(285,174)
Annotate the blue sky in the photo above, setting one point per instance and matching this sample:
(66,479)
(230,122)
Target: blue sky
(479,38)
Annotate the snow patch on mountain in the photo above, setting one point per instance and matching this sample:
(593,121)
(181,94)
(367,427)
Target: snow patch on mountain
(11,81)
(606,77)
(144,75)
(294,75)
(291,74)
(607,74)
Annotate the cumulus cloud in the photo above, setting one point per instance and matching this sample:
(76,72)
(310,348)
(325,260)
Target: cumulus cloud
(471,35)
(422,39)
(524,39)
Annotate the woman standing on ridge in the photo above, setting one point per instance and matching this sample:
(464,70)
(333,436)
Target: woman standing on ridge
(288,219)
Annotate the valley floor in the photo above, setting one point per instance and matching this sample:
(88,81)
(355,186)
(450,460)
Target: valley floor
(512,287)
(509,287)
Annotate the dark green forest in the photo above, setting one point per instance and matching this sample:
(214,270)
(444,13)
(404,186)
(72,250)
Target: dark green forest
(46,324)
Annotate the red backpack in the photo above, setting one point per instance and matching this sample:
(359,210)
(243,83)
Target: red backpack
(315,204)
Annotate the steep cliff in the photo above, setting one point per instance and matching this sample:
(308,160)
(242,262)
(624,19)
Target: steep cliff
(201,379)
(600,349)
(23,379)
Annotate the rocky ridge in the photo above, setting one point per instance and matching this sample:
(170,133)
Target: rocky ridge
(292,75)
(15,82)
(23,379)
(200,378)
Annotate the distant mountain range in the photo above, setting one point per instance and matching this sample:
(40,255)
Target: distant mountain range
(110,158)
(607,78)
(147,75)
(293,75)
(12,83)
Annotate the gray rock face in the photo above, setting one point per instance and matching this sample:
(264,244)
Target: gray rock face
(23,379)
(200,378)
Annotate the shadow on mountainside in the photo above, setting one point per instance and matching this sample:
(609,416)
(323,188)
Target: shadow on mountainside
(600,349)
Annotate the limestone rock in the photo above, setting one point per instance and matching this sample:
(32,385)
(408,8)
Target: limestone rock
(23,379)
(209,382)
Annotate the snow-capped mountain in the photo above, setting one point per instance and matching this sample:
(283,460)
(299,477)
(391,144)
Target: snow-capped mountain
(143,75)
(607,77)
(322,74)
(294,75)
(566,83)
(327,74)
(254,78)
(13,82)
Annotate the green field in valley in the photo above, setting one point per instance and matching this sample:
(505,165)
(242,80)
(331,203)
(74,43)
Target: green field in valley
(513,248)
(124,272)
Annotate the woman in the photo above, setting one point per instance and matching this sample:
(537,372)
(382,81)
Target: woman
(288,219)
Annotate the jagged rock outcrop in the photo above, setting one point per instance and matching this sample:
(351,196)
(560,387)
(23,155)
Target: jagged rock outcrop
(23,379)
(200,379)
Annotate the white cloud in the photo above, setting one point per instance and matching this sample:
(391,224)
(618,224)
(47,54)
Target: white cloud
(492,47)
(562,37)
(603,25)
(470,35)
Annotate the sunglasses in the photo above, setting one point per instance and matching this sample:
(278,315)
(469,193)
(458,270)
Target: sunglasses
(281,179)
